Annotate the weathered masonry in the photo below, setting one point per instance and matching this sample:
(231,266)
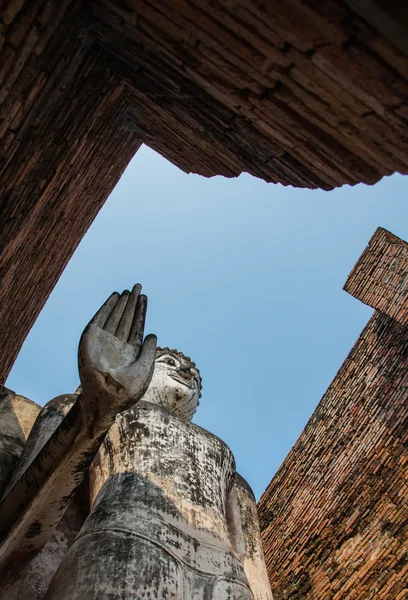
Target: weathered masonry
(335,517)
(303,92)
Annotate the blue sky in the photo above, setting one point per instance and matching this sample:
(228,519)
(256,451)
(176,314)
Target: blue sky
(243,276)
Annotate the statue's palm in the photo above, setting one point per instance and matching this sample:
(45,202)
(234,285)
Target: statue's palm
(115,366)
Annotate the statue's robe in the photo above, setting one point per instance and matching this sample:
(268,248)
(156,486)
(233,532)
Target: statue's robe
(24,429)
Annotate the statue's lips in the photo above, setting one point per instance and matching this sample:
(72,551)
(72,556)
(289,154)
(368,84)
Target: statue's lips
(181,380)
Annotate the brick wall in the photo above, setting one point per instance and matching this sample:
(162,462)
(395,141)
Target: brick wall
(301,92)
(334,518)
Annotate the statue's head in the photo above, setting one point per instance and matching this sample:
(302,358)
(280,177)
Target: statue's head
(176,383)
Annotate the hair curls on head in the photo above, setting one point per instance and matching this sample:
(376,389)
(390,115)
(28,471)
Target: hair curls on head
(161,351)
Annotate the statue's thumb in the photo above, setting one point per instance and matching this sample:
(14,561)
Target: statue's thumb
(148,353)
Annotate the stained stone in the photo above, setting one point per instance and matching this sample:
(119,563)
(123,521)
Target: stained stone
(162,512)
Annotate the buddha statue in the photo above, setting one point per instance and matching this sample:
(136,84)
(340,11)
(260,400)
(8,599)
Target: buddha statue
(169,516)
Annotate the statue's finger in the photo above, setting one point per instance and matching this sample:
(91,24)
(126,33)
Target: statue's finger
(148,353)
(116,314)
(125,324)
(103,313)
(137,329)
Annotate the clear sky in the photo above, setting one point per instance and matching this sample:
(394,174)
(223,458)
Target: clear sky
(243,276)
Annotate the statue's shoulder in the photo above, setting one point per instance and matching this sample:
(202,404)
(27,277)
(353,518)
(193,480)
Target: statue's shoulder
(213,440)
(16,411)
(53,413)
(17,416)
(242,484)
(154,417)
(142,411)
(62,403)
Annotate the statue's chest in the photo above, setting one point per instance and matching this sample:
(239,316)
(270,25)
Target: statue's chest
(183,460)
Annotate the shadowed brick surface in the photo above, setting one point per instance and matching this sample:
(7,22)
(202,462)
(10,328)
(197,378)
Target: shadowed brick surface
(64,145)
(301,92)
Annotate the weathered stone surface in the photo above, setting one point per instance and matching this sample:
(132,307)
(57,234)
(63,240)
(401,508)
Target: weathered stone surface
(115,368)
(242,519)
(30,580)
(17,415)
(169,515)
(334,518)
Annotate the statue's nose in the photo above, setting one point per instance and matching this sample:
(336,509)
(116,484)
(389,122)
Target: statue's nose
(185,372)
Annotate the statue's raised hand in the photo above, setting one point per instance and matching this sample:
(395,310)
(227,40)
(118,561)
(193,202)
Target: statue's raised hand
(115,365)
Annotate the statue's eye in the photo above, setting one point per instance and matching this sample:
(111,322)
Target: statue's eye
(171,362)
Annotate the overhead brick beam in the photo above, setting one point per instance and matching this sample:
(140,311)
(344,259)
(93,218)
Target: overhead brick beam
(388,16)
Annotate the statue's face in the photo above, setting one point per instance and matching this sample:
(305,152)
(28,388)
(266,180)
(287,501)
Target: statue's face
(175,385)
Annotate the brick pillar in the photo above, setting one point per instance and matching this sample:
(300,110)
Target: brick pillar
(64,143)
(380,276)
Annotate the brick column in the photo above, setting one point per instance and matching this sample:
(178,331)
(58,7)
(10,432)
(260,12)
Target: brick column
(64,143)
(380,276)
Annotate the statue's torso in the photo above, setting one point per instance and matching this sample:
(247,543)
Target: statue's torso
(158,524)
(167,481)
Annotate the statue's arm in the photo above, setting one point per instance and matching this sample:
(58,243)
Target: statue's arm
(44,426)
(17,415)
(244,532)
(51,466)
(115,368)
